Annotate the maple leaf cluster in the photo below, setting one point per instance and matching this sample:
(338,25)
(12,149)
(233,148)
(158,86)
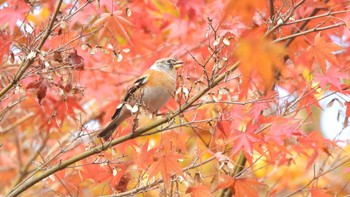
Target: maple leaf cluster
(243,121)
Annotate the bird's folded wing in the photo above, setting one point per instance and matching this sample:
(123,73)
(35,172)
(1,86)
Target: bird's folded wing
(136,86)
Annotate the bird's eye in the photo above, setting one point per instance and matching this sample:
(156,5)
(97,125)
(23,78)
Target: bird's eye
(170,61)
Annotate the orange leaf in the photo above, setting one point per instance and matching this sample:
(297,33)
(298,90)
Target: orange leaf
(166,164)
(174,139)
(318,192)
(145,158)
(241,187)
(322,51)
(246,9)
(113,23)
(261,55)
(199,191)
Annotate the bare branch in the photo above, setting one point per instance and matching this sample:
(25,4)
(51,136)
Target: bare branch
(316,29)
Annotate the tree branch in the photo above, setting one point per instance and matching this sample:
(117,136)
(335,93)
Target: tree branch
(303,25)
(316,29)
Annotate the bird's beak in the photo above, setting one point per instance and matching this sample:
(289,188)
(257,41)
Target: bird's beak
(178,64)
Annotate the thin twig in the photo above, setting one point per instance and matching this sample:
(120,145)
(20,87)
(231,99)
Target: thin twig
(303,25)
(314,17)
(25,169)
(341,163)
(316,29)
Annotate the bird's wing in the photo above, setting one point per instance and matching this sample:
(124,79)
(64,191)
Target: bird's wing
(136,86)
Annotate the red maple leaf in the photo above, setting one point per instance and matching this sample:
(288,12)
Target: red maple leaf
(319,192)
(5,43)
(41,86)
(281,129)
(323,51)
(241,187)
(67,107)
(166,164)
(199,190)
(244,140)
(14,11)
(111,173)
(146,156)
(257,109)
(113,23)
(174,139)
(331,76)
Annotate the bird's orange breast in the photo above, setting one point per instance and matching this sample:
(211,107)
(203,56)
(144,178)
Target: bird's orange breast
(159,79)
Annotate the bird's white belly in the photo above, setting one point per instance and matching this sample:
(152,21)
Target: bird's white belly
(155,98)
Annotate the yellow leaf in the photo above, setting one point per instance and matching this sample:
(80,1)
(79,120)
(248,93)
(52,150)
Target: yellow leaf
(246,9)
(38,18)
(261,55)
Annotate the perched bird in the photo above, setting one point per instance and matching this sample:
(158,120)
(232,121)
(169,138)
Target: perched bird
(152,91)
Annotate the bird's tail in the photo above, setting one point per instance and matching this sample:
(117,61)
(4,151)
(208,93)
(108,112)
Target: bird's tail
(108,131)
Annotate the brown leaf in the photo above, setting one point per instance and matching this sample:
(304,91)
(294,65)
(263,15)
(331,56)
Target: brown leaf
(76,60)
(34,84)
(199,191)
(57,56)
(42,91)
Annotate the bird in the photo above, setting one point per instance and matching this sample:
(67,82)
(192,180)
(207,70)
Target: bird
(151,91)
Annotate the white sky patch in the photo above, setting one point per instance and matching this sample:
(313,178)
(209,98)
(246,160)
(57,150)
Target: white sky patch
(333,118)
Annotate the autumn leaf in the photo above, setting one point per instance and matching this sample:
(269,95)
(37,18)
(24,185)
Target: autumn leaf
(174,139)
(13,12)
(5,43)
(41,86)
(281,129)
(333,77)
(244,140)
(123,183)
(260,55)
(66,108)
(146,156)
(241,187)
(76,60)
(257,109)
(323,51)
(246,9)
(199,190)
(113,24)
(319,192)
(315,141)
(115,175)
(167,164)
